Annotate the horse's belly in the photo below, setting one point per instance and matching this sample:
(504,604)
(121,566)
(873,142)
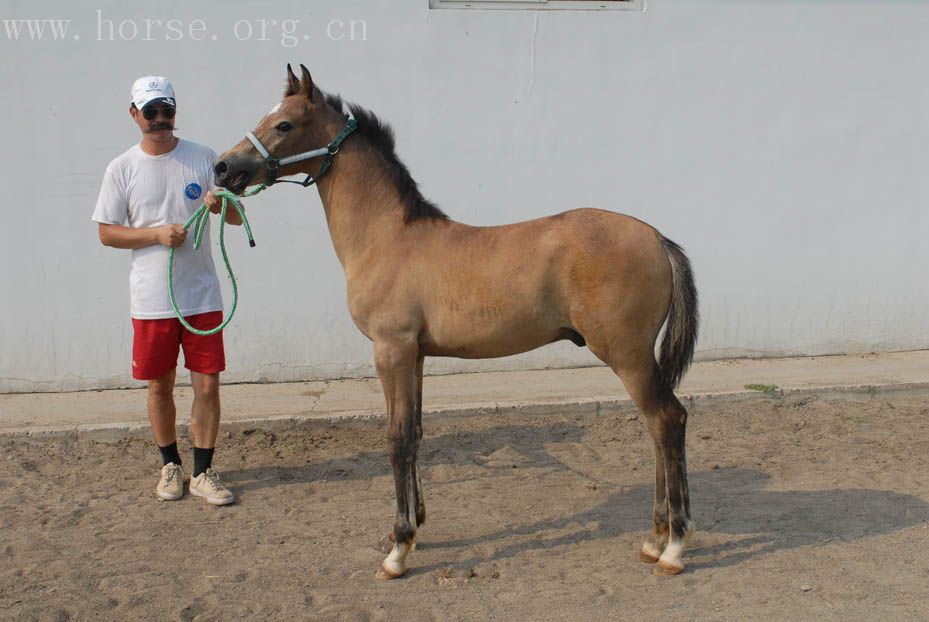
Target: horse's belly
(487,339)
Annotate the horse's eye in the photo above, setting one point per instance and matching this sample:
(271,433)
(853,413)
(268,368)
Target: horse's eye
(284,126)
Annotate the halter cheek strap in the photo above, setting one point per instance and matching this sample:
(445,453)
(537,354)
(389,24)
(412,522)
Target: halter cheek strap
(273,163)
(329,151)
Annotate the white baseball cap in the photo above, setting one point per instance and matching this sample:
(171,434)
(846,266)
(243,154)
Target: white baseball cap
(150,89)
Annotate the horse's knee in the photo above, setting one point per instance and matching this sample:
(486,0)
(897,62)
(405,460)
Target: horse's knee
(401,446)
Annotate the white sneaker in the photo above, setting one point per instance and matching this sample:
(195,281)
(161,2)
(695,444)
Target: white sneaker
(209,486)
(171,485)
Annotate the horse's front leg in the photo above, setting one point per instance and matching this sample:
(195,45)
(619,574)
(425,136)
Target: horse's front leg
(396,362)
(420,505)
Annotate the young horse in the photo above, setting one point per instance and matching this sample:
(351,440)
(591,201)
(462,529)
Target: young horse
(420,284)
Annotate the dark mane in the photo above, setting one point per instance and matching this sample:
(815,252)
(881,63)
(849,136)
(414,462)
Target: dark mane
(380,137)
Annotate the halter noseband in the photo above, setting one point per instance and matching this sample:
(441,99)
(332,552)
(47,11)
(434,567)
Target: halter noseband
(329,151)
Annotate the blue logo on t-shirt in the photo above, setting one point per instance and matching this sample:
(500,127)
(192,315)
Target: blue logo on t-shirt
(193,190)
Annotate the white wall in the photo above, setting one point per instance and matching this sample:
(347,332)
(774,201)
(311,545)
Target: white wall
(783,143)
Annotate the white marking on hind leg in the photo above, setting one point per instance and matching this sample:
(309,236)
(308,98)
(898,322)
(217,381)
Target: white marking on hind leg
(670,560)
(671,557)
(394,565)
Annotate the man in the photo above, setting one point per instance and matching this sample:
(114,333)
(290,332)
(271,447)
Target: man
(147,193)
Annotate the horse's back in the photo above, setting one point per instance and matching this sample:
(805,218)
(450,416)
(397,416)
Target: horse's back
(581,245)
(493,291)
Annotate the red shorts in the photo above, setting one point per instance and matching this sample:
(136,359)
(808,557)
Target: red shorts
(156,343)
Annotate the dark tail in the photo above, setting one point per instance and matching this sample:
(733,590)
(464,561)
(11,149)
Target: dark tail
(680,334)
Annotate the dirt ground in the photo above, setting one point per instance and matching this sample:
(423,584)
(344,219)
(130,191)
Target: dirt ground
(806,508)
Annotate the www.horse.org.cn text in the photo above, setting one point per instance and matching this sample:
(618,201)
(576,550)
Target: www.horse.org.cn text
(286,32)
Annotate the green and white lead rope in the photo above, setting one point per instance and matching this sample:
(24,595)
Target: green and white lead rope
(201,217)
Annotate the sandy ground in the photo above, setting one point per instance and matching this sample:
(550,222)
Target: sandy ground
(806,508)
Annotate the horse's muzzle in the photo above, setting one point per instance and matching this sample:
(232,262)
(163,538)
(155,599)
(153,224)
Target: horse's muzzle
(235,180)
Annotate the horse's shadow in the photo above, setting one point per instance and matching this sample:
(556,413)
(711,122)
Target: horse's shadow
(730,501)
(457,448)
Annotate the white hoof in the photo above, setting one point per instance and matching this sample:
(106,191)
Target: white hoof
(670,561)
(395,564)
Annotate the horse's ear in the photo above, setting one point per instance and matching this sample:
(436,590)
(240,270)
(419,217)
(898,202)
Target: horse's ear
(306,83)
(293,83)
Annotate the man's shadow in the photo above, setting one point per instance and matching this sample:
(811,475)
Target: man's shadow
(730,501)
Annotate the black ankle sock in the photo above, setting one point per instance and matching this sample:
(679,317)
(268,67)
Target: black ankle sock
(169,454)
(203,459)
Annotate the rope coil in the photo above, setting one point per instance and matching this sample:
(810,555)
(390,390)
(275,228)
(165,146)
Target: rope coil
(199,219)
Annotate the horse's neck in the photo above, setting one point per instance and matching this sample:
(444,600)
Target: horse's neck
(360,201)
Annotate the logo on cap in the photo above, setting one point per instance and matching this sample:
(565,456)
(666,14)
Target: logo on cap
(147,89)
(193,190)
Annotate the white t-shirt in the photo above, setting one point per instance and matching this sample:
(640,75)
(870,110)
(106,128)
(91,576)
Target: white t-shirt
(142,190)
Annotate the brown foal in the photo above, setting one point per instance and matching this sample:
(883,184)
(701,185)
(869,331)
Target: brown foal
(420,284)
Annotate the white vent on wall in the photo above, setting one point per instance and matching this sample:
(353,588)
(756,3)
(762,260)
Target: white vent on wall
(556,5)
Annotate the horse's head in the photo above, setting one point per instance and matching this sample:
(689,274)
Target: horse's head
(287,129)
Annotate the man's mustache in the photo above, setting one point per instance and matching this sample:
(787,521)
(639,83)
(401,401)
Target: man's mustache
(156,127)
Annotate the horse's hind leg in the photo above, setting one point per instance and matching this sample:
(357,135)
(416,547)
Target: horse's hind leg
(666,421)
(655,544)
(670,426)
(396,363)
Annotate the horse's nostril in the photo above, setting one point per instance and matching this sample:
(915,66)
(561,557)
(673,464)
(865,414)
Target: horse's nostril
(220,169)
